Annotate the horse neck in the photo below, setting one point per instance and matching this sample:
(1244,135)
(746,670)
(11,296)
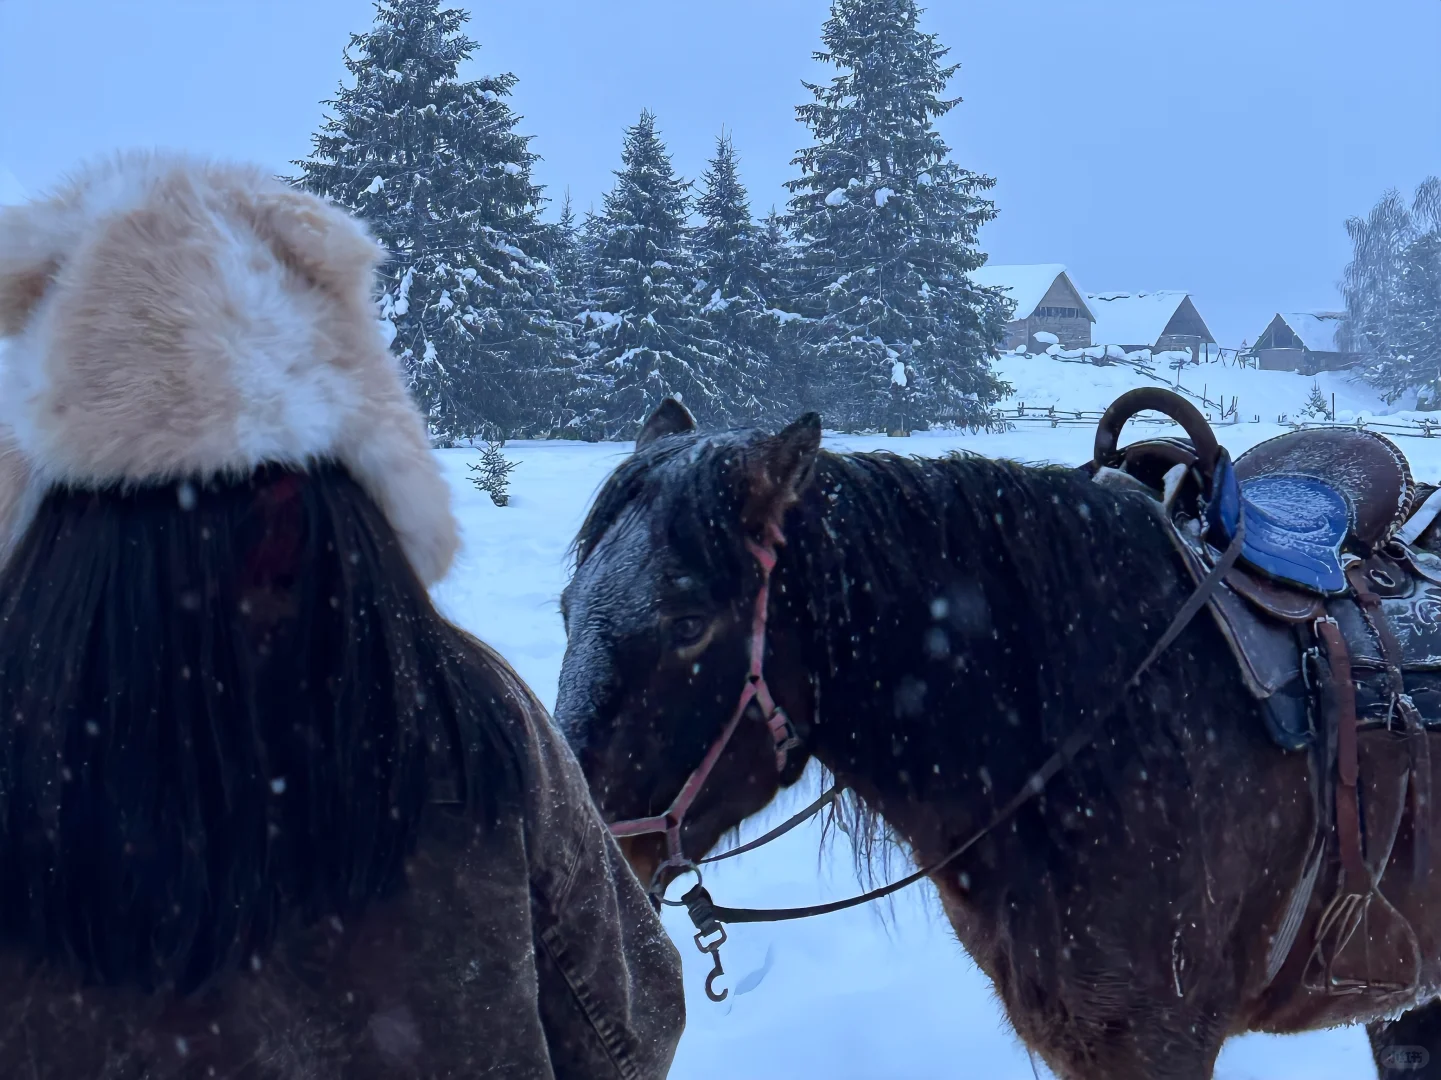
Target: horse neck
(949,615)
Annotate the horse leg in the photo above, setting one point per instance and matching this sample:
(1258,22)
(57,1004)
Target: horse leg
(1409,1047)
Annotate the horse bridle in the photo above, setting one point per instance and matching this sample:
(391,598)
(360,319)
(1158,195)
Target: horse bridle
(709,918)
(755,691)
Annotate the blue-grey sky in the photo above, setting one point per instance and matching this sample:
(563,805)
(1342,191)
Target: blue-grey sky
(1209,145)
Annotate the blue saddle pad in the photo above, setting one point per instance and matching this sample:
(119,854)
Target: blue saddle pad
(1295,526)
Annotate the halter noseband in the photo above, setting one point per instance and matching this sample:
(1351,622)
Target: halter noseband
(783,733)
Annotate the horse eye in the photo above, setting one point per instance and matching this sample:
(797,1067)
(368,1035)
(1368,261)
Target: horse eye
(687,630)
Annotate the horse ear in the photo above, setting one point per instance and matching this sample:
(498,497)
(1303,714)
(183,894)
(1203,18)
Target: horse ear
(670,418)
(779,468)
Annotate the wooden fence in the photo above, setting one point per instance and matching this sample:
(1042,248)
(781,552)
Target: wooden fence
(1053,416)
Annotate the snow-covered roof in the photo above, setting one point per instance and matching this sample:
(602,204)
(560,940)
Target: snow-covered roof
(10,190)
(1316,329)
(1133,318)
(1026,284)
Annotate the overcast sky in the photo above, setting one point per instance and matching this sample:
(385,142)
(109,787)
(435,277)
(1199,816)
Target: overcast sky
(1209,145)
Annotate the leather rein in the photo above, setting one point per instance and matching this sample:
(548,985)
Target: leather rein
(709,917)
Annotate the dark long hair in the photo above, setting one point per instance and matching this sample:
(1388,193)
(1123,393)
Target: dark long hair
(224,706)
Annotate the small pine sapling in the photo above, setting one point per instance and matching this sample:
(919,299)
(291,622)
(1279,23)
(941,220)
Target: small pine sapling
(1317,407)
(493,473)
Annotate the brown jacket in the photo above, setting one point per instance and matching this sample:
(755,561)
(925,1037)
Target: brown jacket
(608,1000)
(523,951)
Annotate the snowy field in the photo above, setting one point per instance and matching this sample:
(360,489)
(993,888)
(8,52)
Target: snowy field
(872,994)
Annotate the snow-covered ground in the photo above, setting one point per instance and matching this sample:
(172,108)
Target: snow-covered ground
(872,994)
(1043,381)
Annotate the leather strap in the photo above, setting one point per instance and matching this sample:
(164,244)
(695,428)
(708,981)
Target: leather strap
(704,912)
(797,819)
(1417,744)
(1420,746)
(1341,694)
(783,734)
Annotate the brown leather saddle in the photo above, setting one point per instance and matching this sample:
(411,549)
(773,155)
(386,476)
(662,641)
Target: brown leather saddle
(1332,611)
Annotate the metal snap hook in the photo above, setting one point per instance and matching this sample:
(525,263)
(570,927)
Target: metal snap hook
(713,947)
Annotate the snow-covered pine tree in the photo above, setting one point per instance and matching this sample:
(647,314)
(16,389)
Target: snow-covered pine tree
(887,228)
(563,248)
(567,258)
(435,166)
(777,258)
(734,292)
(492,473)
(787,380)
(645,336)
(1316,407)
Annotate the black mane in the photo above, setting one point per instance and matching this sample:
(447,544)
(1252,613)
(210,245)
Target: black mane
(872,528)
(224,706)
(695,479)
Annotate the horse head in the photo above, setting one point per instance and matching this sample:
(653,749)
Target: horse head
(658,694)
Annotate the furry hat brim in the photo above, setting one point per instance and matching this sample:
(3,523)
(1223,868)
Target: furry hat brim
(170,318)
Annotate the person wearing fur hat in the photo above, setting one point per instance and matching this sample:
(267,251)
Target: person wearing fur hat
(264,813)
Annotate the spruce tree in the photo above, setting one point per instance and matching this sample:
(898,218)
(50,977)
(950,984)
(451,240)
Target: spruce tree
(435,166)
(787,380)
(733,284)
(645,337)
(555,384)
(566,255)
(776,259)
(1316,407)
(887,229)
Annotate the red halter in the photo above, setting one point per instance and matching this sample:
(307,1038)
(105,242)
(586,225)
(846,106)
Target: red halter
(783,734)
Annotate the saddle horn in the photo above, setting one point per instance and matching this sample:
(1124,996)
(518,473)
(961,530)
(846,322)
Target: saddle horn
(1157,399)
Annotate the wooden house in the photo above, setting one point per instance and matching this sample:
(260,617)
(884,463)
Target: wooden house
(1047,301)
(1303,341)
(1159,321)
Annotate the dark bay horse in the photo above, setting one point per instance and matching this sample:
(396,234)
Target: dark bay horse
(934,629)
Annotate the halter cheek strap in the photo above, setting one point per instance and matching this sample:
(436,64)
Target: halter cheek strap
(783,732)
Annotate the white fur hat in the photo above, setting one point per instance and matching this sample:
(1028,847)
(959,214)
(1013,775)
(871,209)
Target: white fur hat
(169,317)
